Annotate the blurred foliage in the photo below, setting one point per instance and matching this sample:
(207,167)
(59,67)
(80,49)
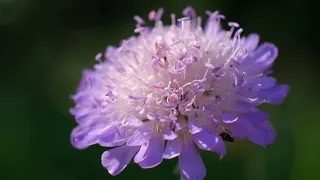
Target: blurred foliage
(46,44)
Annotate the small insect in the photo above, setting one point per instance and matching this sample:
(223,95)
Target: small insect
(227,137)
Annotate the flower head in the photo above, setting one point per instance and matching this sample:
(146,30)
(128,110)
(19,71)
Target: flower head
(174,89)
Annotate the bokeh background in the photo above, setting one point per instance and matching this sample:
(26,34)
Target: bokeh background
(44,46)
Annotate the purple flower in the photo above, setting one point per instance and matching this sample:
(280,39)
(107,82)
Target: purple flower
(174,89)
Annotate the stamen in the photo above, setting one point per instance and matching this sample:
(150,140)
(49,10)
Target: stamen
(233,24)
(173,19)
(220,16)
(189,11)
(238,32)
(124,122)
(98,57)
(158,14)
(139,20)
(185,23)
(199,19)
(152,15)
(139,29)
(208,12)
(209,65)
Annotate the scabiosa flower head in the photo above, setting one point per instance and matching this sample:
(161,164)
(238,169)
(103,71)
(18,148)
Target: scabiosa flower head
(174,89)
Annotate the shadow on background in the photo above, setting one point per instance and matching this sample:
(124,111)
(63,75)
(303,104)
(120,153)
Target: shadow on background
(46,44)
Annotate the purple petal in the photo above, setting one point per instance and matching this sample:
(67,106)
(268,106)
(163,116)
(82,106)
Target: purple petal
(251,42)
(209,141)
(82,115)
(152,117)
(134,121)
(168,119)
(141,135)
(238,128)
(84,81)
(263,134)
(260,60)
(168,133)
(80,119)
(193,126)
(112,137)
(190,163)
(77,137)
(220,148)
(116,159)
(138,138)
(228,118)
(256,116)
(140,156)
(151,154)
(84,136)
(173,149)
(256,133)
(86,109)
(274,95)
(263,82)
(180,125)
(271,133)
(242,106)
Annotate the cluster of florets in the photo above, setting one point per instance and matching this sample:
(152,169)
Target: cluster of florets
(173,89)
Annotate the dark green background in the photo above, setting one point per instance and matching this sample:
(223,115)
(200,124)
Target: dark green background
(45,44)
